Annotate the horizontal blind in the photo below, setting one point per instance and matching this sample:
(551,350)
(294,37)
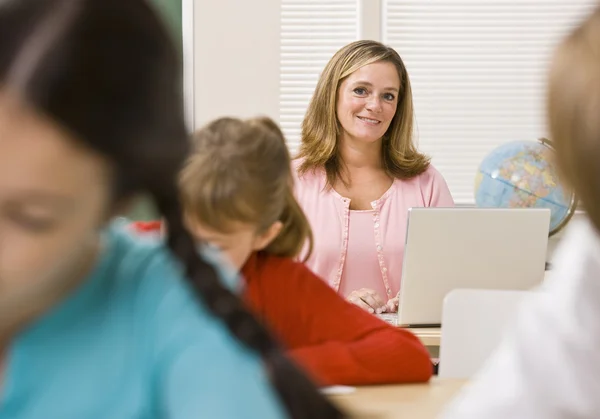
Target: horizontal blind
(478,72)
(311,32)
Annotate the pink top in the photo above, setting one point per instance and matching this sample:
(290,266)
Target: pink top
(364,267)
(337,260)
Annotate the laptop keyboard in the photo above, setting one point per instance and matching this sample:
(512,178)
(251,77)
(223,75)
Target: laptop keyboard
(391,318)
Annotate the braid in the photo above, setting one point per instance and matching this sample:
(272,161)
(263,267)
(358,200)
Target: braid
(296,391)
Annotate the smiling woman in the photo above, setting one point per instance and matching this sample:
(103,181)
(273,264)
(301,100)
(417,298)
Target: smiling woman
(365,109)
(359,171)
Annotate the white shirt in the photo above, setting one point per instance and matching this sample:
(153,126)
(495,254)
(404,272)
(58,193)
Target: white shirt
(548,366)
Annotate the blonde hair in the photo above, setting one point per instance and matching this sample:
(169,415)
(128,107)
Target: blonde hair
(573,109)
(320,128)
(240,171)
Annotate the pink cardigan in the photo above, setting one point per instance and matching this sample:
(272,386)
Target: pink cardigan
(329,212)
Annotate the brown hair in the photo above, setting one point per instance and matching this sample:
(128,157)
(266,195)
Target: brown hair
(573,108)
(240,171)
(320,128)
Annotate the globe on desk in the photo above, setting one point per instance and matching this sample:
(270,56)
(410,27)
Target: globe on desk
(521,174)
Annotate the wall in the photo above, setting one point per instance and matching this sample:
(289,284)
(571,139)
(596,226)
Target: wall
(235,64)
(231,60)
(170,10)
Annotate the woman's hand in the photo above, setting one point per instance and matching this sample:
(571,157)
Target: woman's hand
(368,300)
(392,305)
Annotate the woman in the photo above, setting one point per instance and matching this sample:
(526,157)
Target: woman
(359,171)
(94,324)
(548,365)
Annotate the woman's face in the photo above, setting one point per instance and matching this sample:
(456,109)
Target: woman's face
(54,196)
(367,101)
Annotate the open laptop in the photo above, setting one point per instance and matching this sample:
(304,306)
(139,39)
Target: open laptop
(482,248)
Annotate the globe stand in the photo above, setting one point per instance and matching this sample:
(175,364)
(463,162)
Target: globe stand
(573,204)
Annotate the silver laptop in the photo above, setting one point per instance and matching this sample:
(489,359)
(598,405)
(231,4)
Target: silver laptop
(482,248)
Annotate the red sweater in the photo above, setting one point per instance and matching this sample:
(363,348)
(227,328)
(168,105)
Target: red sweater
(334,341)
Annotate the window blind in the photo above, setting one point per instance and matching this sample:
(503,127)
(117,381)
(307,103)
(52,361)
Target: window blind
(311,32)
(478,72)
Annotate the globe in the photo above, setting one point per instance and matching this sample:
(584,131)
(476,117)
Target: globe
(521,174)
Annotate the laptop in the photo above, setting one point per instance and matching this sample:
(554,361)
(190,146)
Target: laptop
(481,248)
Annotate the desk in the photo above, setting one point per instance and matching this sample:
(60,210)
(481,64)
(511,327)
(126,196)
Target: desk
(415,401)
(429,336)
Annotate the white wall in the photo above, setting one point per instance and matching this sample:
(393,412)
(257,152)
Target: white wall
(235,65)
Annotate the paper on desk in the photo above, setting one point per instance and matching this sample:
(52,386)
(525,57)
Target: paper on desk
(336,390)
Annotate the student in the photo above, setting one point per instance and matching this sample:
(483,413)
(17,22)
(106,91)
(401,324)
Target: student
(237,194)
(359,171)
(549,365)
(95,324)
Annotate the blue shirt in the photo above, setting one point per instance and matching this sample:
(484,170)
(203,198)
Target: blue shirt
(133,342)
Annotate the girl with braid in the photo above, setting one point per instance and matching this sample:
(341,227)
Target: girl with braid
(237,191)
(94,323)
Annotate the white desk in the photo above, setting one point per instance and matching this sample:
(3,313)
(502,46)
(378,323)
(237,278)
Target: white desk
(429,336)
(414,401)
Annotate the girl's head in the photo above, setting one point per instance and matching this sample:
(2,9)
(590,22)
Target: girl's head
(91,115)
(363,96)
(237,190)
(574,112)
(88,96)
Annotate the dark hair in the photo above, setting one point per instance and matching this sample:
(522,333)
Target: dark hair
(106,70)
